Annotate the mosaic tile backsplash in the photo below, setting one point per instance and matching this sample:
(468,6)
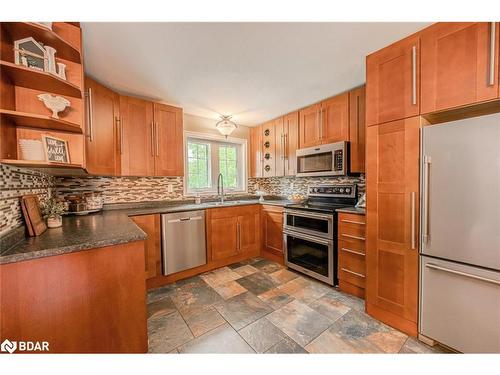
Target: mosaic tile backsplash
(285,186)
(14,183)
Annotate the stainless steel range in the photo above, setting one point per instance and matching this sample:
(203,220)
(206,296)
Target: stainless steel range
(310,231)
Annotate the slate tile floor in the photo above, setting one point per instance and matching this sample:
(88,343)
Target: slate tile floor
(258,306)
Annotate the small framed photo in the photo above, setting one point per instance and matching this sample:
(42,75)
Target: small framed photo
(56,150)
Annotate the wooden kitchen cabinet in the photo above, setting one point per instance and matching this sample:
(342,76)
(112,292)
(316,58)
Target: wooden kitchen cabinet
(256,151)
(357,131)
(103,130)
(309,126)
(459,64)
(334,119)
(150,224)
(137,137)
(291,142)
(233,231)
(351,253)
(279,147)
(168,141)
(393,82)
(269,149)
(272,230)
(392,181)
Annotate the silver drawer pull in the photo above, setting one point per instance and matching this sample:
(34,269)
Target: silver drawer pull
(435,267)
(491,73)
(351,236)
(352,272)
(352,251)
(352,222)
(414,75)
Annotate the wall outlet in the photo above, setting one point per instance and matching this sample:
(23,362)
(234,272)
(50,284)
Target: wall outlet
(170,188)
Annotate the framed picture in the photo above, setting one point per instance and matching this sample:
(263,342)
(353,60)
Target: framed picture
(56,150)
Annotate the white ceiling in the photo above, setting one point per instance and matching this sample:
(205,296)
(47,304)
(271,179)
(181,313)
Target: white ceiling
(254,71)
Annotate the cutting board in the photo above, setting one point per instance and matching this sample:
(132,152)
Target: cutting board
(32,214)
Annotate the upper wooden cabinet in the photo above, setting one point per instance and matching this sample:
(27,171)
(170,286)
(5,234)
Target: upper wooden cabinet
(357,129)
(168,141)
(392,190)
(256,151)
(392,82)
(290,142)
(103,129)
(137,144)
(459,64)
(279,147)
(309,126)
(150,224)
(269,149)
(334,119)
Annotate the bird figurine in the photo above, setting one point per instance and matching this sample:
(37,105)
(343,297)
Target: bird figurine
(55,103)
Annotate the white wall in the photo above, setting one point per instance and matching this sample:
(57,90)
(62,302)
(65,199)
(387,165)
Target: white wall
(207,125)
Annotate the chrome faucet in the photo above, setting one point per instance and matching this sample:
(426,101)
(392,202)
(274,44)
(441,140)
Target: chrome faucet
(220,187)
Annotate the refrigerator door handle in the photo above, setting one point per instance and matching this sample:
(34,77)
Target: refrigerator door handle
(426,228)
(436,267)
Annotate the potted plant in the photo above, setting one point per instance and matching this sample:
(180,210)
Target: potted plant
(52,210)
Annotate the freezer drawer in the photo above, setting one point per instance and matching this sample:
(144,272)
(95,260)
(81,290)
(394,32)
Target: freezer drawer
(460,306)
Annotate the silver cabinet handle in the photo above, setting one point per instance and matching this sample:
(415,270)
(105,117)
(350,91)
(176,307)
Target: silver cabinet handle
(157,138)
(427,174)
(414,75)
(491,74)
(352,222)
(282,146)
(413,220)
(152,125)
(121,135)
(321,124)
(118,132)
(352,251)
(351,236)
(90,113)
(286,146)
(352,272)
(238,236)
(436,267)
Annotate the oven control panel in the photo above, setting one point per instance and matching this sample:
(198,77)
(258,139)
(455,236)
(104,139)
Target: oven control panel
(347,191)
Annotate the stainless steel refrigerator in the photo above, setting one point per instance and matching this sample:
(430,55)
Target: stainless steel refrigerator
(460,234)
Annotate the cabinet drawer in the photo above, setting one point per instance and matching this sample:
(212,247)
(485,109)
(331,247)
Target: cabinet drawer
(348,246)
(352,232)
(351,268)
(346,218)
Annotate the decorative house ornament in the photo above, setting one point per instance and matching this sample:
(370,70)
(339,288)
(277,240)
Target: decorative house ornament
(47,25)
(61,70)
(225,126)
(55,103)
(56,150)
(30,53)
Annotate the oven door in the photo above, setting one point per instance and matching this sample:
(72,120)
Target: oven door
(311,255)
(308,222)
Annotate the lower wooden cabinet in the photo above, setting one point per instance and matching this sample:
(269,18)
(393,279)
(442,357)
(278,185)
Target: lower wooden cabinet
(351,253)
(233,231)
(392,190)
(150,224)
(272,230)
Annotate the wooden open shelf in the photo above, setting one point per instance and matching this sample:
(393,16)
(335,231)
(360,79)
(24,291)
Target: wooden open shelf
(39,121)
(20,30)
(36,80)
(38,164)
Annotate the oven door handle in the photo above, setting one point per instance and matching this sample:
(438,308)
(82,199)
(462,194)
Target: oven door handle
(309,215)
(308,238)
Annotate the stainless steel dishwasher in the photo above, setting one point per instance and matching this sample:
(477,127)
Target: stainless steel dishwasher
(183,241)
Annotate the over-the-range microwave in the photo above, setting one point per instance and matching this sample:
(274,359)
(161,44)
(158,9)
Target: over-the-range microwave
(326,160)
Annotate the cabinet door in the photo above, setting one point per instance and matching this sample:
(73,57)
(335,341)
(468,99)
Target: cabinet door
(137,131)
(150,224)
(279,141)
(357,129)
(256,151)
(291,142)
(392,82)
(249,229)
(335,119)
(272,229)
(459,65)
(392,217)
(101,141)
(309,127)
(222,233)
(168,137)
(269,149)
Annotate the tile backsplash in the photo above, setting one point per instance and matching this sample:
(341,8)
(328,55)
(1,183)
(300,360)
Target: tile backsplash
(14,183)
(285,186)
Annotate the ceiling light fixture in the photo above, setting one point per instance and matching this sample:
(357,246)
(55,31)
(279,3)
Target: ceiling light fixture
(225,126)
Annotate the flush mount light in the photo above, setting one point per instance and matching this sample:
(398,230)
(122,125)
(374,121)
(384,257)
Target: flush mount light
(225,126)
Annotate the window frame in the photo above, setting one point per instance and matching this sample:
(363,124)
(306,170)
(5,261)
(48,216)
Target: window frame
(241,160)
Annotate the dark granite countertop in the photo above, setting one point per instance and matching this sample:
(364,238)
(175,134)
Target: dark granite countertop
(112,226)
(352,210)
